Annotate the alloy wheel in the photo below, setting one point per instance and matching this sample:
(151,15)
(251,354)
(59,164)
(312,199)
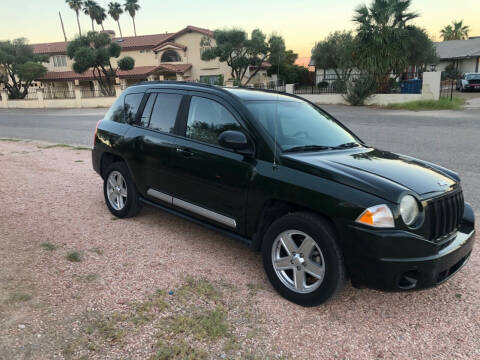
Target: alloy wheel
(117,190)
(298,261)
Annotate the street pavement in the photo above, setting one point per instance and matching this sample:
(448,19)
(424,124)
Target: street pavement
(448,138)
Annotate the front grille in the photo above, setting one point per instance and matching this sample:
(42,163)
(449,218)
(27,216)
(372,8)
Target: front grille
(474,81)
(444,215)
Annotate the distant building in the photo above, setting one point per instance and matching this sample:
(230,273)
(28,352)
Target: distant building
(169,56)
(463,54)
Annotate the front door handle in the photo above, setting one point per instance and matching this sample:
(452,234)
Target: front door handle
(184,151)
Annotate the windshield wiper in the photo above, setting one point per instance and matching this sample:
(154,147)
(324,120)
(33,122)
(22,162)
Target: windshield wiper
(347,145)
(308,148)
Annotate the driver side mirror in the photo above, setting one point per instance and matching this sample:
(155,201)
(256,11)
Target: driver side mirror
(235,140)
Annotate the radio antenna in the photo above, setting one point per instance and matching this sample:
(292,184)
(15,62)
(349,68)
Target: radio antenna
(275,136)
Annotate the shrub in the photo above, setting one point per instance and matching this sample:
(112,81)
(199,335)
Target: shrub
(450,73)
(323,84)
(359,90)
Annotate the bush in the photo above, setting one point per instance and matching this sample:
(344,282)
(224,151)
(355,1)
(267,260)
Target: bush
(451,73)
(359,90)
(339,86)
(323,84)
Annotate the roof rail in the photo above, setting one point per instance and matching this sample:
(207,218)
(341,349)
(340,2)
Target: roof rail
(177,82)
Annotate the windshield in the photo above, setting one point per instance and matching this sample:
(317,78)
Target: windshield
(300,126)
(473,77)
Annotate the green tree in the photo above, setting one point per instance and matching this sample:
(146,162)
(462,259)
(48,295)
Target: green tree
(94,51)
(336,52)
(115,10)
(284,66)
(382,35)
(131,6)
(76,5)
(90,7)
(241,52)
(20,67)
(386,43)
(100,16)
(456,31)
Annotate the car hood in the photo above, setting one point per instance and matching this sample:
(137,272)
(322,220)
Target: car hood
(379,172)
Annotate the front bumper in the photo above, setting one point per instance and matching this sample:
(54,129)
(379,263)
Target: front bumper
(419,264)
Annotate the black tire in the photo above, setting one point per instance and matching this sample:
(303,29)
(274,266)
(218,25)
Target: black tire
(321,232)
(132,204)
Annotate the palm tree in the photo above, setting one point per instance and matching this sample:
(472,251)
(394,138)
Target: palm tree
(115,10)
(90,7)
(456,32)
(131,6)
(382,37)
(100,16)
(76,5)
(384,13)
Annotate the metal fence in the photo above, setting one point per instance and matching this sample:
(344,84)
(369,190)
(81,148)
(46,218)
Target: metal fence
(447,88)
(59,94)
(331,83)
(31,95)
(87,93)
(271,86)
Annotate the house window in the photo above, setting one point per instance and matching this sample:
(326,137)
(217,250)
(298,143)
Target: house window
(212,79)
(59,61)
(170,56)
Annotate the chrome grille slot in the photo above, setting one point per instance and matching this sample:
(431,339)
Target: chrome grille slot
(444,215)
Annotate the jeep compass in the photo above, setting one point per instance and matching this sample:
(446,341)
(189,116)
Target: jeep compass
(286,178)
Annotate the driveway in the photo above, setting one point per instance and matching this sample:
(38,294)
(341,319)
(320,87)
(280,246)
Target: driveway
(77,283)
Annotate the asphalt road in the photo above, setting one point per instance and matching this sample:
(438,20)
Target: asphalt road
(448,138)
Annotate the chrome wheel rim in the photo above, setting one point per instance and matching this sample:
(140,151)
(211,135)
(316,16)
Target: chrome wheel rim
(116,190)
(298,261)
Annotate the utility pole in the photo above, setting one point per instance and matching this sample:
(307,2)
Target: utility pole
(63,28)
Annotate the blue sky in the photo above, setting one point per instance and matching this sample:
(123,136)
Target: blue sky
(301,22)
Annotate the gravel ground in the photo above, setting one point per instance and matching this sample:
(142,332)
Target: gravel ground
(51,195)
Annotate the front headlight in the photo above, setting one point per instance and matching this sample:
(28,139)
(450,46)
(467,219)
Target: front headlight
(377,216)
(409,210)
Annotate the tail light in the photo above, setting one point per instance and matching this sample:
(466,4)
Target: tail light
(95,133)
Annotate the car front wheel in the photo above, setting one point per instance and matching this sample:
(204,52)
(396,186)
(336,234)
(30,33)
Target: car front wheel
(120,192)
(302,259)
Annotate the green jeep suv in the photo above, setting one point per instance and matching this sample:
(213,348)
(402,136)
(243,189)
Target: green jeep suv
(283,176)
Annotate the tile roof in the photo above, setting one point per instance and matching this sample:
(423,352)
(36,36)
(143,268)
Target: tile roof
(176,68)
(127,42)
(140,71)
(454,49)
(169,43)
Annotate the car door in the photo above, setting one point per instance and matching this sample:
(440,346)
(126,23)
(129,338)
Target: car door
(155,143)
(211,181)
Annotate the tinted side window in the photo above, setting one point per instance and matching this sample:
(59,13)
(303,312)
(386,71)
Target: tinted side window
(207,119)
(147,111)
(132,103)
(115,113)
(165,112)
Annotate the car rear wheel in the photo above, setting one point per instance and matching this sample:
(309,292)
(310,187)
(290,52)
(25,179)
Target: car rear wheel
(302,259)
(120,192)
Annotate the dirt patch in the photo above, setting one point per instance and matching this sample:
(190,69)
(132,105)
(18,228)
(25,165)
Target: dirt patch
(160,287)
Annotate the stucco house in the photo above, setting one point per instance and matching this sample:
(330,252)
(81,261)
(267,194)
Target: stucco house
(169,56)
(464,54)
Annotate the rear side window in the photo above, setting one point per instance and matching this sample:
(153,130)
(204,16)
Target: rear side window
(115,113)
(165,112)
(147,111)
(132,103)
(207,119)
